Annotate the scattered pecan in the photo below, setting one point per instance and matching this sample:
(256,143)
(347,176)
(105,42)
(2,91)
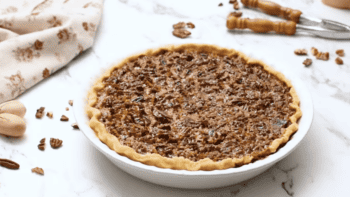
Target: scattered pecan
(322,56)
(181,33)
(236,5)
(40,112)
(232,1)
(179,25)
(67,109)
(49,114)
(339,61)
(220,4)
(55,143)
(41,146)
(75,126)
(70,102)
(307,62)
(46,73)
(64,118)
(235,14)
(9,164)
(300,52)
(314,51)
(190,25)
(38,170)
(340,52)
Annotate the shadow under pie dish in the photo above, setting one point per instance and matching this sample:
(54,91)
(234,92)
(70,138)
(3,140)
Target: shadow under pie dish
(193,107)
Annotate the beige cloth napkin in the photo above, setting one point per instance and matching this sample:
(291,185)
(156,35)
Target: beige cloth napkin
(37,37)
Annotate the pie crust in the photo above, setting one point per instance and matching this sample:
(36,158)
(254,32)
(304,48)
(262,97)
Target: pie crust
(180,163)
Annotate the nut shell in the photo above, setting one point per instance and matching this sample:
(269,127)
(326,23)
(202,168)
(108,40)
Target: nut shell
(13,107)
(12,125)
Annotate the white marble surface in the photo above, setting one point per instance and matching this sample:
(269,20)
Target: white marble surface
(318,167)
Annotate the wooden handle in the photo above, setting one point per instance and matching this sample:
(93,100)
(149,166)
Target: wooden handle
(272,8)
(262,25)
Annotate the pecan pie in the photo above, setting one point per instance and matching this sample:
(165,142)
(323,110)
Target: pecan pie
(193,107)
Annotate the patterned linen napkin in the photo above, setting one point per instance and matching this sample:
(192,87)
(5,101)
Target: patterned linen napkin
(37,37)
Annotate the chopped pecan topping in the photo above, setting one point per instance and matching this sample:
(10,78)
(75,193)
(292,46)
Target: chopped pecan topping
(314,51)
(339,61)
(75,126)
(307,62)
(55,143)
(300,52)
(322,56)
(232,1)
(235,14)
(9,164)
(190,25)
(49,114)
(181,33)
(64,118)
(67,109)
(40,112)
(41,146)
(194,105)
(340,52)
(38,170)
(70,102)
(220,4)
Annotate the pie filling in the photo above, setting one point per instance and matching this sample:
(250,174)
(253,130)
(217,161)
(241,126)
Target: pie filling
(194,105)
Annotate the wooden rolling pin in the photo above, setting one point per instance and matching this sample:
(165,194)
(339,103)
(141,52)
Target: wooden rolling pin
(261,25)
(272,8)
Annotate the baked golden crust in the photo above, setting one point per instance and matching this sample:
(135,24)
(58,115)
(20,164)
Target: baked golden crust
(180,163)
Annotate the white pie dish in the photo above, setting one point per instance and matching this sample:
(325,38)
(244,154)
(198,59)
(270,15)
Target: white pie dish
(196,179)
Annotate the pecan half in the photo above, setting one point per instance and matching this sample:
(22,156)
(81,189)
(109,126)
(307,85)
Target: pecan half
(235,14)
(75,126)
(179,25)
(55,143)
(300,52)
(307,62)
(49,114)
(190,25)
(314,51)
(339,61)
(41,146)
(64,118)
(322,56)
(40,112)
(181,33)
(38,170)
(340,52)
(9,164)
(232,1)
(236,5)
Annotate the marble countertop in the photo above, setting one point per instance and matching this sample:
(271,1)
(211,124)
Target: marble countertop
(318,167)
